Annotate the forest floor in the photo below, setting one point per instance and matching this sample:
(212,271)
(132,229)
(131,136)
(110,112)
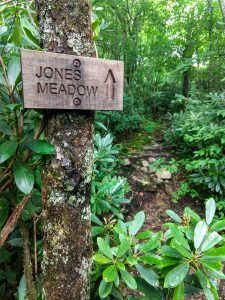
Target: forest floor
(151,189)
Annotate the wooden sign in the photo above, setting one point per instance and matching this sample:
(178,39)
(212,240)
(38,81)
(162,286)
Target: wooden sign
(61,81)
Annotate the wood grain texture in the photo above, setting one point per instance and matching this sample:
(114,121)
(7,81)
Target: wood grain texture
(61,81)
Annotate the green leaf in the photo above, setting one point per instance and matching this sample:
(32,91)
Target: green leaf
(176,232)
(149,246)
(13,106)
(137,223)
(117,280)
(96,220)
(218,226)
(14,70)
(152,259)
(3,30)
(213,258)
(101,259)
(179,292)
(23,176)
(4,212)
(104,289)
(124,247)
(41,147)
(30,37)
(144,235)
(17,242)
(171,261)
(3,286)
(216,251)
(199,233)
(4,255)
(149,291)
(7,149)
(10,276)
(22,291)
(109,274)
(97,230)
(120,265)
(100,125)
(132,260)
(217,273)
(120,228)
(95,25)
(210,210)
(148,275)
(194,217)
(17,32)
(213,239)
(104,247)
(189,232)
(173,215)
(205,285)
(170,251)
(214,265)
(176,276)
(129,279)
(174,243)
(214,290)
(4,128)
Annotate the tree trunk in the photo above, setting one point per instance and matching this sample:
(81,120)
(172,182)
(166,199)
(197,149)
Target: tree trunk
(186,83)
(66,28)
(222,6)
(187,54)
(211,60)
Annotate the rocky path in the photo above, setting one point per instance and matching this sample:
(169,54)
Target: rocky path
(153,188)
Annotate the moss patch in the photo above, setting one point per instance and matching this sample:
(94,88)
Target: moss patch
(140,138)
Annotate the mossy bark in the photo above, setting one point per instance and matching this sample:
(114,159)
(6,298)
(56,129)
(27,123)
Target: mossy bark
(66,28)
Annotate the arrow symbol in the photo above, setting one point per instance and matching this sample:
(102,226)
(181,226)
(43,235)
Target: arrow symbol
(110,82)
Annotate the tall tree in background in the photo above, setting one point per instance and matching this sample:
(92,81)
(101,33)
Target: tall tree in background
(66,28)
(222,5)
(169,47)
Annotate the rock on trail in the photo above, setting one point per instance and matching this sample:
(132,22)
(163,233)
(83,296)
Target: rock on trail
(153,187)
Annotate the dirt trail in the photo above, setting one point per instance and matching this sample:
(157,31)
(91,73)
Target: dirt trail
(152,189)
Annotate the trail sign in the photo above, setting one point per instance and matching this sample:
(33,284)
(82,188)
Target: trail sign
(61,81)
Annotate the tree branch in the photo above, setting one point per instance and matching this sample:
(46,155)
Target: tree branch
(28,267)
(5,2)
(7,183)
(13,219)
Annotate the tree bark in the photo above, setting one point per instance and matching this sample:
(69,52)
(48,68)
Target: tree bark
(187,54)
(66,28)
(222,6)
(211,60)
(186,83)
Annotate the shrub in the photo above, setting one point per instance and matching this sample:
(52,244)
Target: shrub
(186,259)
(197,135)
(128,120)
(108,189)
